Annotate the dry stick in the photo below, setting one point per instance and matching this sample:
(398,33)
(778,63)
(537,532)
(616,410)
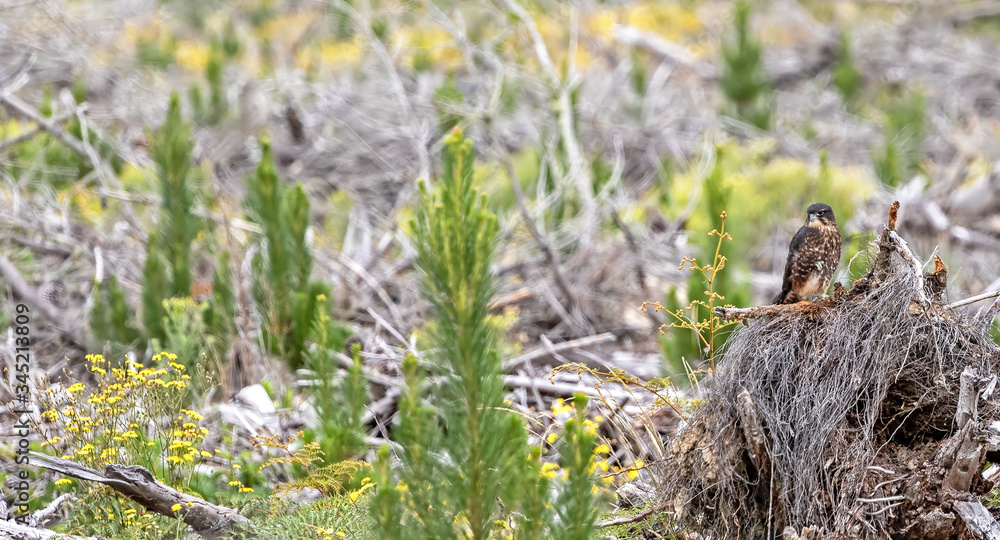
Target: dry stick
(38,246)
(740,314)
(41,515)
(551,257)
(45,123)
(553,388)
(973,299)
(579,171)
(660,47)
(31,296)
(909,257)
(135,482)
(539,352)
(991,312)
(20,138)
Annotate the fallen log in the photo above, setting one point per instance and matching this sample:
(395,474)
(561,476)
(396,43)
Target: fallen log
(208,520)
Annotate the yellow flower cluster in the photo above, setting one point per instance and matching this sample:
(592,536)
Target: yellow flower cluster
(366,484)
(329,534)
(561,412)
(120,419)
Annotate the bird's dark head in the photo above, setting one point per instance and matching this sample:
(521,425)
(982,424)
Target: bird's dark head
(820,215)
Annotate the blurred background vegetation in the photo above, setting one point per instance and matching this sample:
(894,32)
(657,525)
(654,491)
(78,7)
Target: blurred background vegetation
(236,183)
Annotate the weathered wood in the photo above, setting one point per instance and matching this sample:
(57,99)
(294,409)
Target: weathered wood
(10,530)
(978,519)
(969,461)
(966,397)
(135,482)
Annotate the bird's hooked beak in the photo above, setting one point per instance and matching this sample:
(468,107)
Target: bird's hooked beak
(813,217)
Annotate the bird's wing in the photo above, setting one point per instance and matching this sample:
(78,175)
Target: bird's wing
(794,249)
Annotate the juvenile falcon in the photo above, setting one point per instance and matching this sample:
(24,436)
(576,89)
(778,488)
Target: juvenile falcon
(813,257)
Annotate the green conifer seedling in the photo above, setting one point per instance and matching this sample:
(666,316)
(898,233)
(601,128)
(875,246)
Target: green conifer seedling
(110,318)
(172,150)
(904,129)
(743,79)
(846,76)
(339,404)
(154,290)
(283,290)
(464,482)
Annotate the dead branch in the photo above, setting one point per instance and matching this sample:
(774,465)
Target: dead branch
(513,297)
(551,257)
(135,482)
(29,134)
(660,47)
(546,386)
(740,314)
(991,313)
(973,299)
(915,265)
(40,516)
(31,297)
(50,125)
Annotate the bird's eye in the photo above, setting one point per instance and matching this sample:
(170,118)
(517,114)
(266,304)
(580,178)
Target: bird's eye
(821,212)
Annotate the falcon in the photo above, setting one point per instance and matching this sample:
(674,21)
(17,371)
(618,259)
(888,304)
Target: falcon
(813,257)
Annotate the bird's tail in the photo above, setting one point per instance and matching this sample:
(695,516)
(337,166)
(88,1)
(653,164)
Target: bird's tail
(780,298)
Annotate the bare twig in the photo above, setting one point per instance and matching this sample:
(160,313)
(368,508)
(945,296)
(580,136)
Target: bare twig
(27,135)
(31,296)
(551,257)
(973,299)
(540,352)
(45,123)
(579,171)
(739,314)
(665,50)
